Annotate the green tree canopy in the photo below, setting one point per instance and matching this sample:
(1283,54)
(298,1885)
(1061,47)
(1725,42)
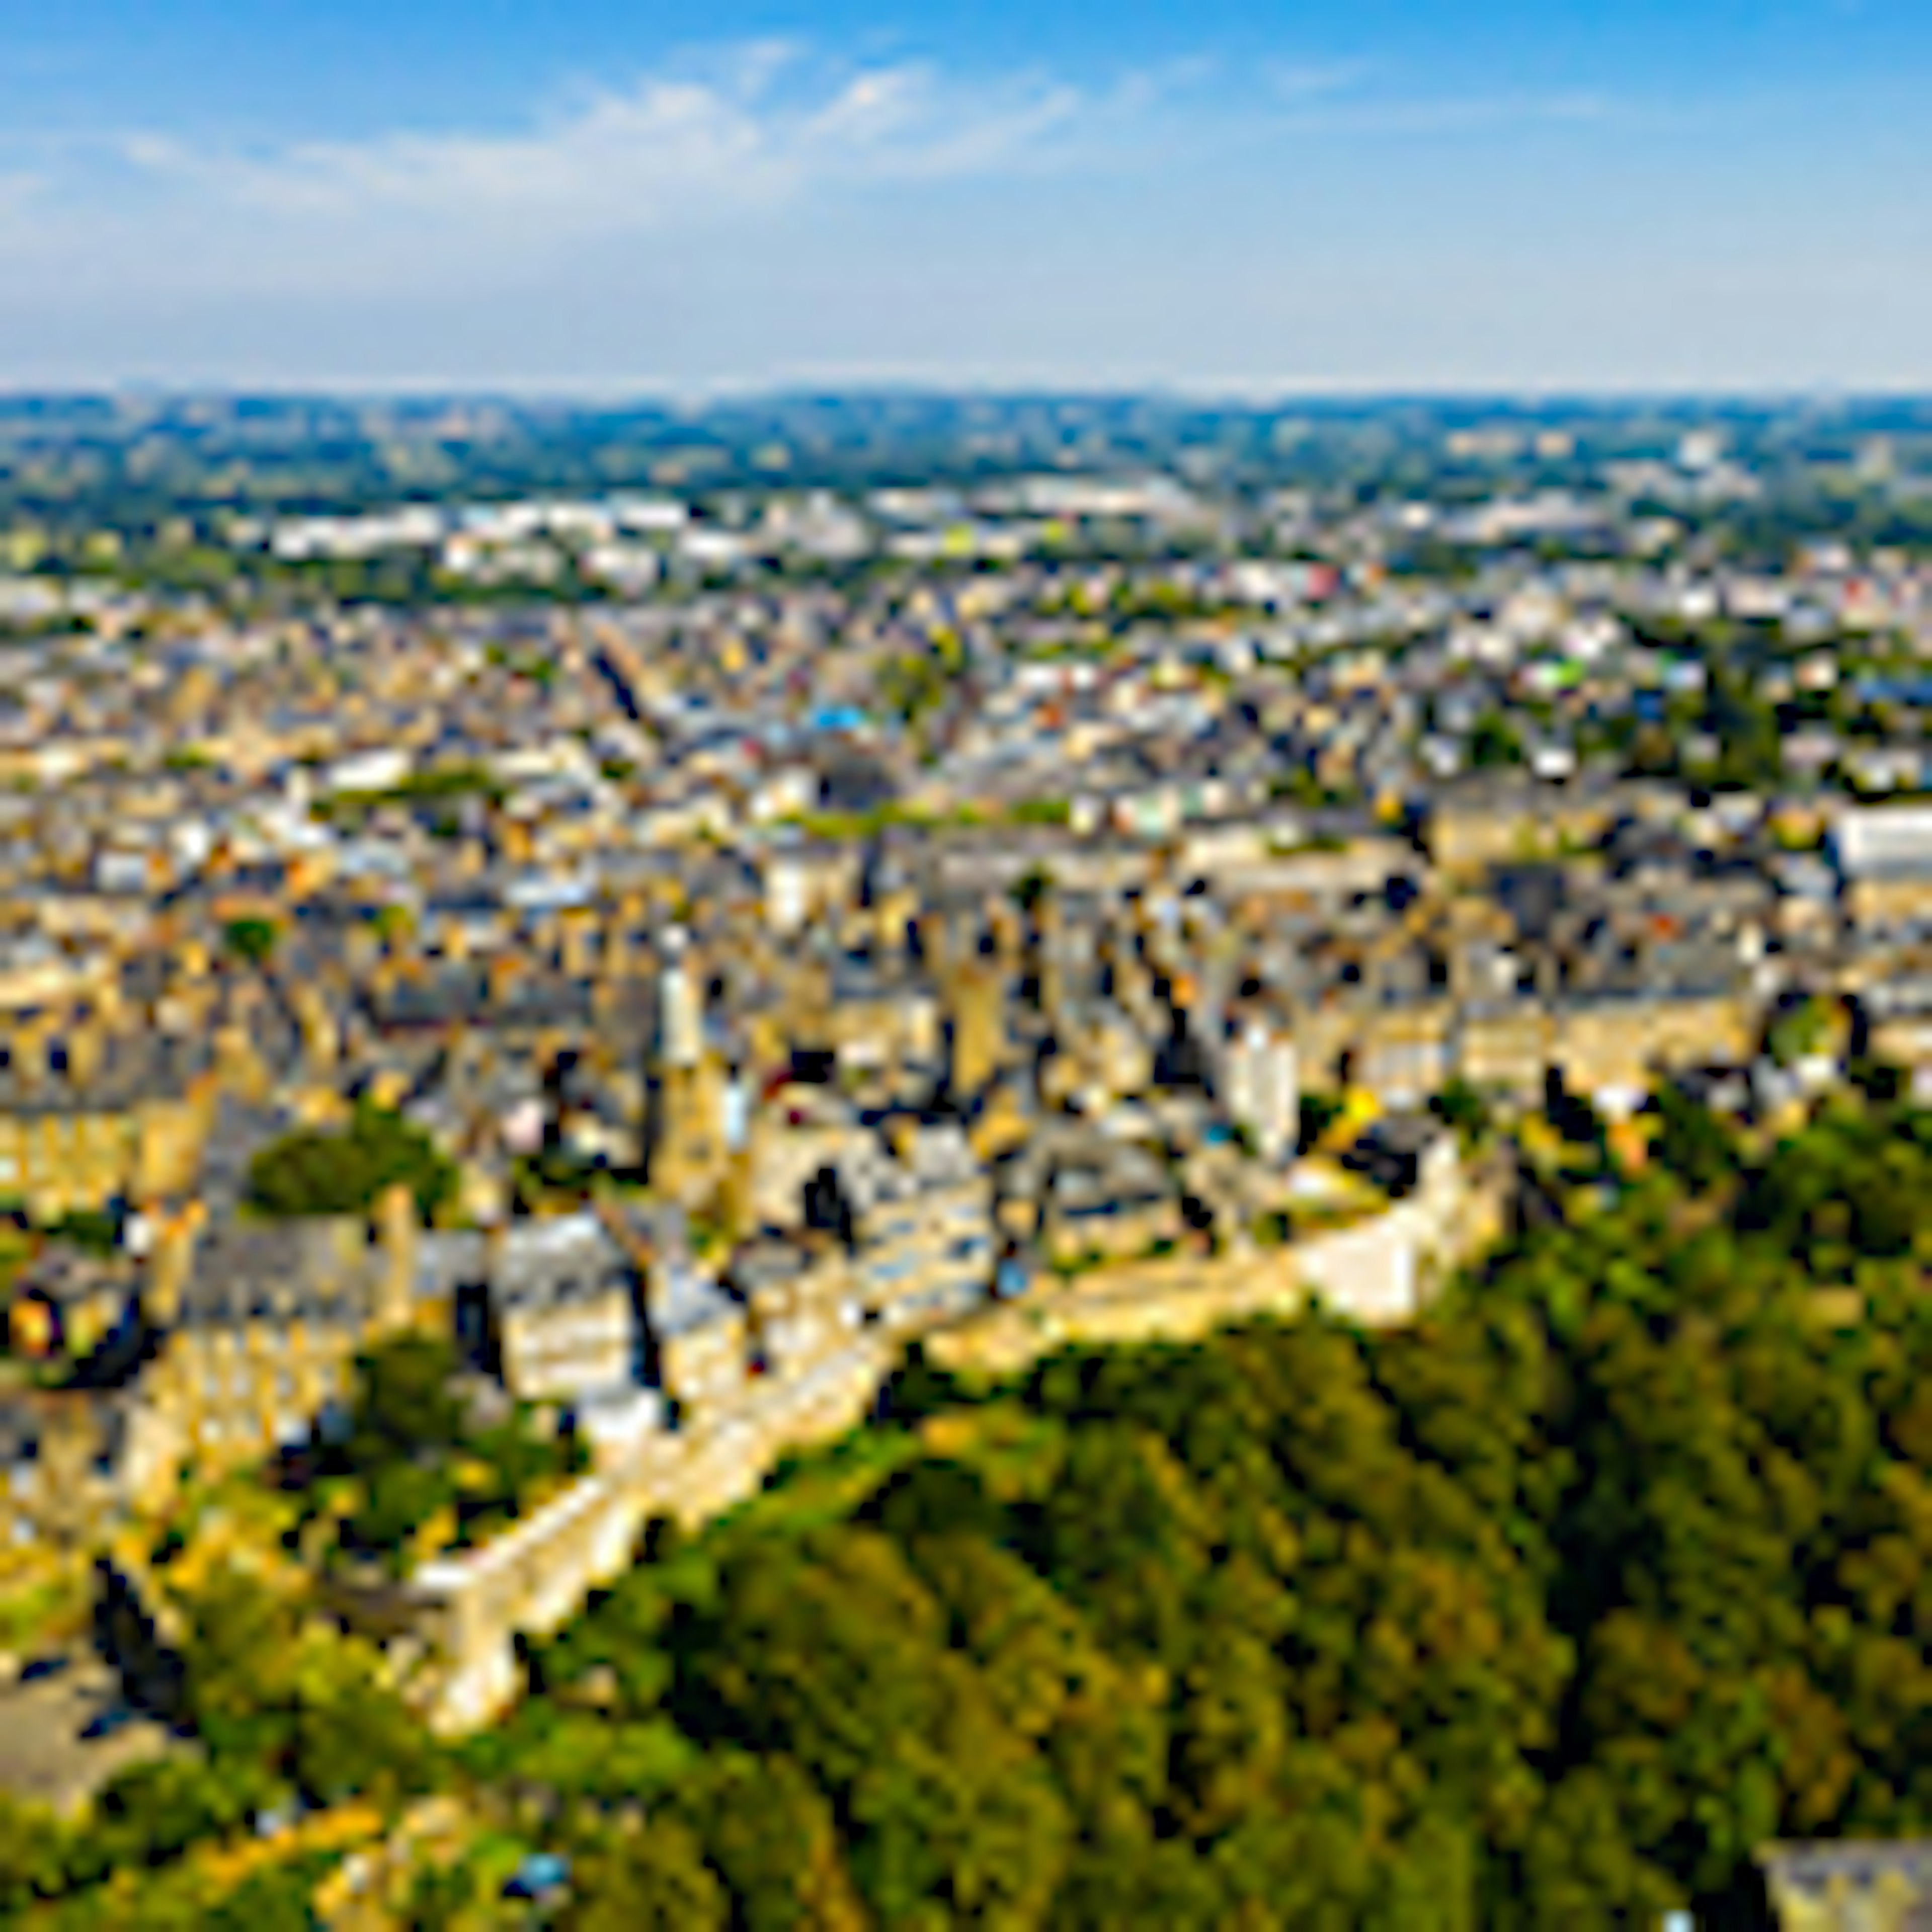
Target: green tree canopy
(251,939)
(309,1173)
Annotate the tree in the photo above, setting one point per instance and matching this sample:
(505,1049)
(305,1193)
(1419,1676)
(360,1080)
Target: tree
(655,1882)
(354,1737)
(309,1173)
(933,1496)
(1493,745)
(251,939)
(1803,1028)
(1694,1144)
(31,1854)
(834,1655)
(416,1457)
(1232,1728)
(1461,1106)
(1030,888)
(772,1835)
(404,1403)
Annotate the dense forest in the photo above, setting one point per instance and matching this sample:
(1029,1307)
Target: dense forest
(1546,1611)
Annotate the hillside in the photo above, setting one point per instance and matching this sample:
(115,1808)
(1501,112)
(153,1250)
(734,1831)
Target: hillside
(1546,1612)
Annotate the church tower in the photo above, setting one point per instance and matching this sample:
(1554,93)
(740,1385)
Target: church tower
(688,1152)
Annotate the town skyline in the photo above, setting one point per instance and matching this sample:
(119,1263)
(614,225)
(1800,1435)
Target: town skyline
(653,1054)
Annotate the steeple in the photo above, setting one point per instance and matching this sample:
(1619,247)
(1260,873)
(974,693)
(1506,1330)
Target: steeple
(680,1007)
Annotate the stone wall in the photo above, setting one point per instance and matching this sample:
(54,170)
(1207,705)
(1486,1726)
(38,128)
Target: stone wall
(1622,1042)
(1379,1271)
(466,1611)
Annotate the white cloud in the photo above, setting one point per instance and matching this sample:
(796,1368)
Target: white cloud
(749,130)
(760,208)
(671,148)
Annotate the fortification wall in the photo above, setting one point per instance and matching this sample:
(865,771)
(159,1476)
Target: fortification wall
(467,1611)
(1380,1272)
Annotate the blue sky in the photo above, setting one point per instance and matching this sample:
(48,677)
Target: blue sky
(608,198)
